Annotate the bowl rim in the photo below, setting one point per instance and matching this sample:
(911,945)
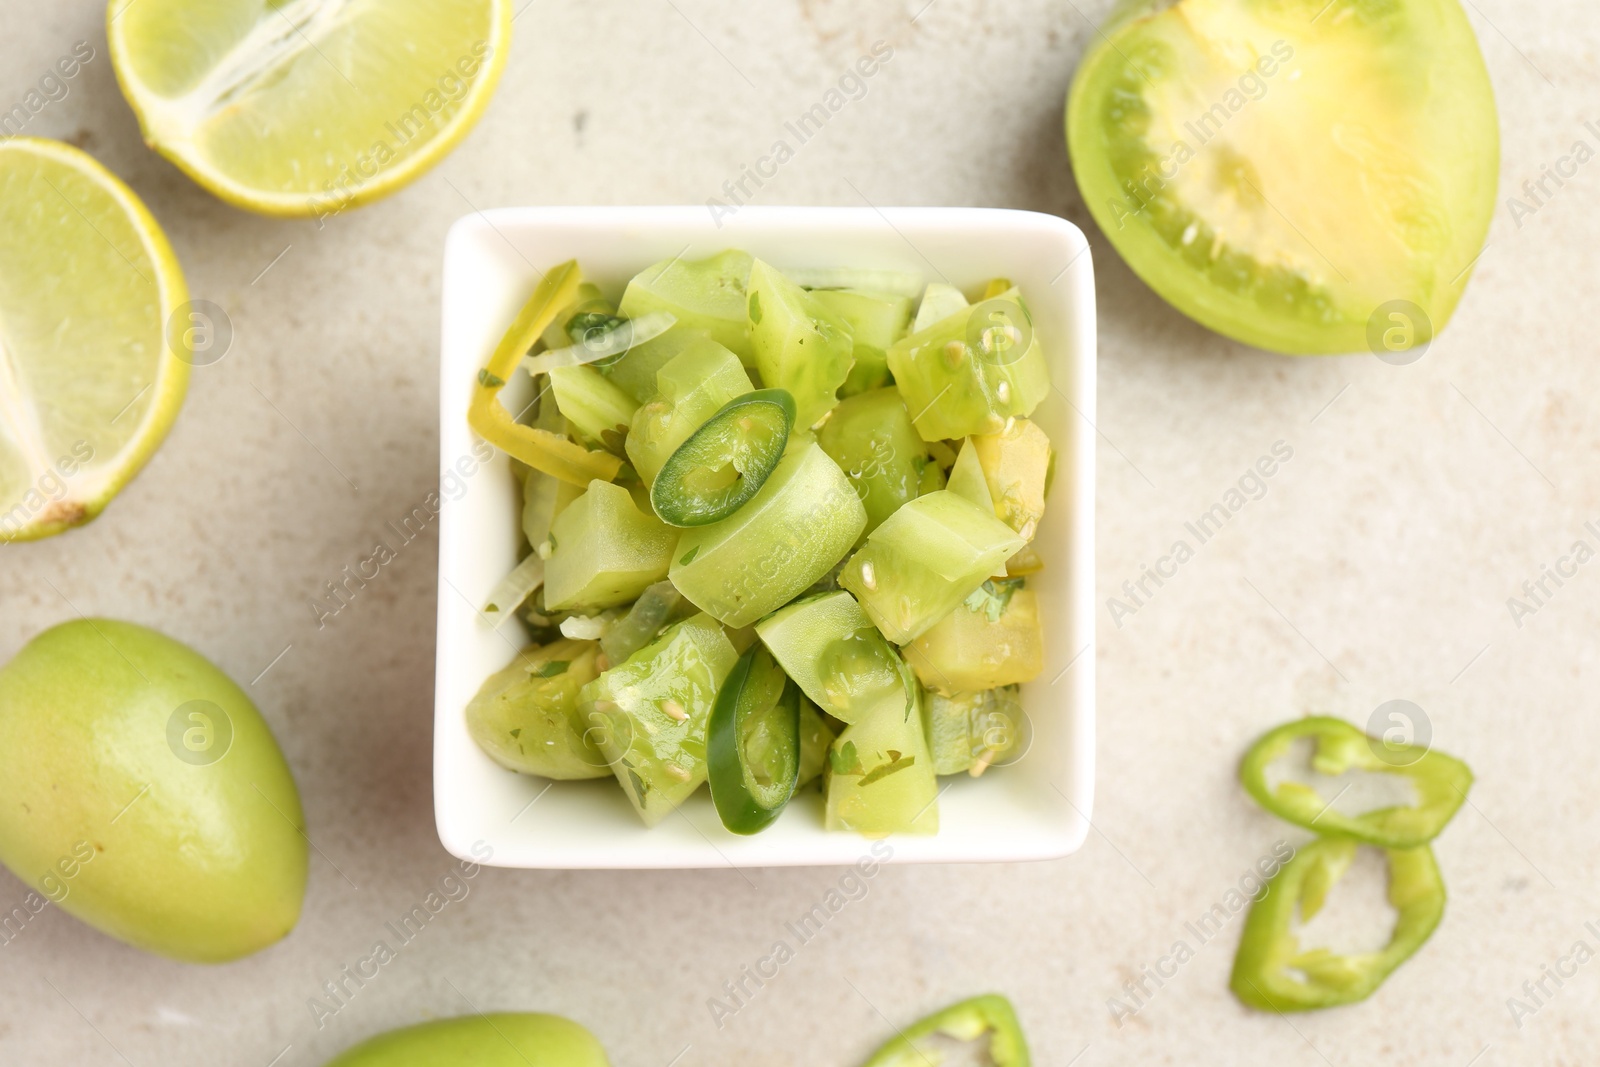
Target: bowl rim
(461,833)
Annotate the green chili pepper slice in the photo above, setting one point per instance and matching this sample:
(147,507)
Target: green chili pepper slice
(723,463)
(1441,783)
(935,1038)
(1272,973)
(753,743)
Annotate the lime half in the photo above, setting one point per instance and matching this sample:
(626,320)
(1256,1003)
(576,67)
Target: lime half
(88,385)
(307,107)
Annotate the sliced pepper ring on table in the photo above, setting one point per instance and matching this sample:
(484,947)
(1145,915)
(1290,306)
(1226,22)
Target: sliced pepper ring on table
(1441,783)
(1273,973)
(965,1023)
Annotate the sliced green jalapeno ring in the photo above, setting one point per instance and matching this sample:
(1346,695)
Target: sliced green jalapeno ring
(722,464)
(1441,783)
(753,743)
(1272,972)
(970,1021)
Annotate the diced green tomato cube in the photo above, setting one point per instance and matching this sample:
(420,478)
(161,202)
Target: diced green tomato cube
(691,387)
(972,732)
(967,478)
(871,437)
(835,655)
(634,372)
(939,302)
(959,376)
(791,533)
(989,641)
(815,738)
(924,561)
(605,551)
(877,321)
(880,775)
(526,716)
(598,410)
(705,294)
(653,709)
(800,343)
(1016,466)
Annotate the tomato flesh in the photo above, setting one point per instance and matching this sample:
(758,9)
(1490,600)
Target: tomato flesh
(1283,170)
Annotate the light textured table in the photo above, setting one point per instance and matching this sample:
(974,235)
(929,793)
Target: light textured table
(1377,566)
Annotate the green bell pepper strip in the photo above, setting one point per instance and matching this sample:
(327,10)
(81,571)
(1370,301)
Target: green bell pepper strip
(924,1043)
(1272,973)
(721,466)
(1441,783)
(753,743)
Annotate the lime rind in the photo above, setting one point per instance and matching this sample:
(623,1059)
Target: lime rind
(212,91)
(80,414)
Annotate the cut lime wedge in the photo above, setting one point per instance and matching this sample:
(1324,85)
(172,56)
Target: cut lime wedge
(88,384)
(307,107)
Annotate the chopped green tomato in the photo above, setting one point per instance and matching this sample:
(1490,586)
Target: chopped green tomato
(815,738)
(1016,465)
(540,449)
(653,710)
(865,279)
(791,533)
(526,716)
(877,321)
(1024,563)
(1272,972)
(924,561)
(801,344)
(939,302)
(833,653)
(871,437)
(692,387)
(658,606)
(971,372)
(992,639)
(726,461)
(706,294)
(1440,781)
(972,732)
(880,778)
(967,478)
(634,372)
(753,743)
(981,1030)
(604,551)
(598,411)
(741,637)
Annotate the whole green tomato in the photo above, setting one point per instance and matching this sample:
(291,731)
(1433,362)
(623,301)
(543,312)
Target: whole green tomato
(142,792)
(505,1039)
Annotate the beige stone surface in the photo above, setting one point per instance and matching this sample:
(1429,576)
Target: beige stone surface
(1377,566)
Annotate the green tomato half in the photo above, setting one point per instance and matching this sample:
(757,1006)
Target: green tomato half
(1306,176)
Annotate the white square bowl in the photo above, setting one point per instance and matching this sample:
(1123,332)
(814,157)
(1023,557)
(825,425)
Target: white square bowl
(1037,808)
